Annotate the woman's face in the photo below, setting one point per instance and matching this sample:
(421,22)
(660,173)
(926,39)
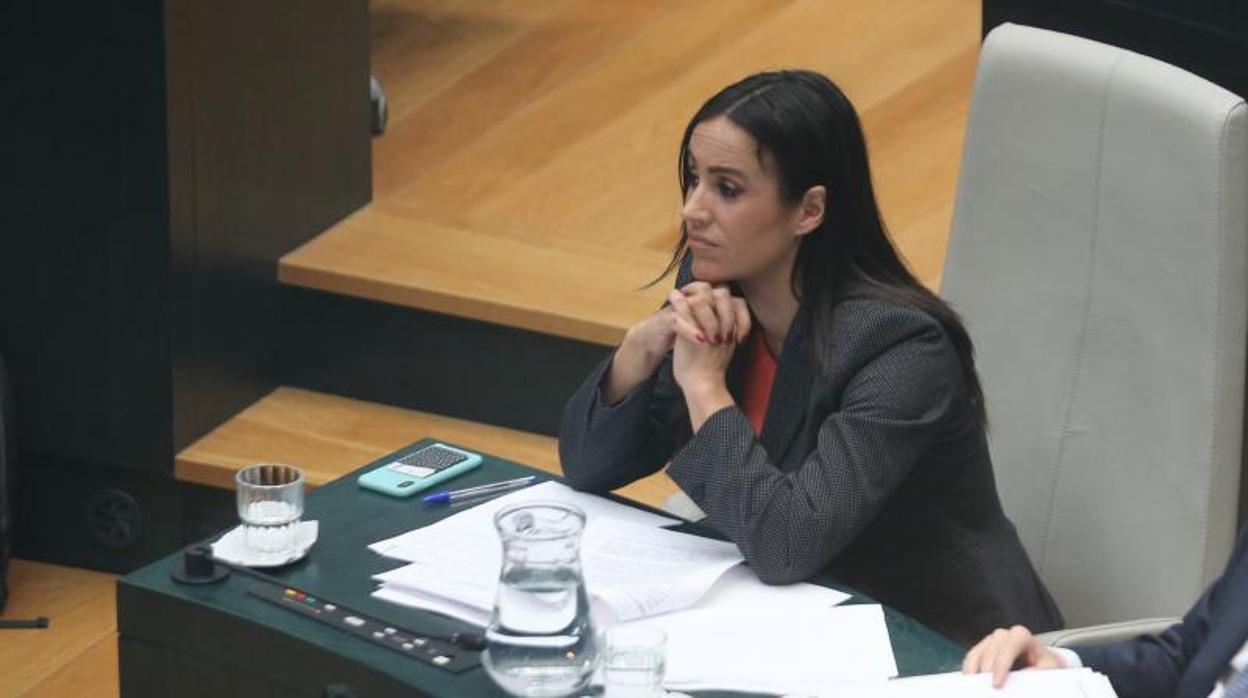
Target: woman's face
(738,228)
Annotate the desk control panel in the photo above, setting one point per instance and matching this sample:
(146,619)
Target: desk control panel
(439,652)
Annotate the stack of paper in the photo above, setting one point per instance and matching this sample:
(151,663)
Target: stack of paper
(632,567)
(726,629)
(1057,683)
(782,648)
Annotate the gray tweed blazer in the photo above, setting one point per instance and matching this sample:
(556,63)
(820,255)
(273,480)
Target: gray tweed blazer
(873,474)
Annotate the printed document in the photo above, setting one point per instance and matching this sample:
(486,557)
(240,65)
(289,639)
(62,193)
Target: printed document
(632,570)
(793,648)
(632,566)
(726,629)
(478,521)
(1053,683)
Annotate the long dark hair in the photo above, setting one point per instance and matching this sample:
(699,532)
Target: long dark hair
(810,129)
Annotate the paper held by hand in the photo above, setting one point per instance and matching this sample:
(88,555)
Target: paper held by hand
(1055,683)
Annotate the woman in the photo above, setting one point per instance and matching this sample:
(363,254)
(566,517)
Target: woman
(812,397)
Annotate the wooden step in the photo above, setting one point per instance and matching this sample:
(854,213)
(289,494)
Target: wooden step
(395,255)
(528,178)
(77,653)
(329,436)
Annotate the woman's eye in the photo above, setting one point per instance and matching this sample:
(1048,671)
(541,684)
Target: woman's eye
(728,191)
(691,179)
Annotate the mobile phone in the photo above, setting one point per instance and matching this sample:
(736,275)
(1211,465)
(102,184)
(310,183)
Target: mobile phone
(419,469)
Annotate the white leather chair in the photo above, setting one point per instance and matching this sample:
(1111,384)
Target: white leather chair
(1099,256)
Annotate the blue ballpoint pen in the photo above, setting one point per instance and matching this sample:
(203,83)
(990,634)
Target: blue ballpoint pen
(446,497)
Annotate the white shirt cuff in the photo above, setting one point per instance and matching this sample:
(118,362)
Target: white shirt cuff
(1068,656)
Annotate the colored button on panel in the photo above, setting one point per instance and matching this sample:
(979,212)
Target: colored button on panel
(291,593)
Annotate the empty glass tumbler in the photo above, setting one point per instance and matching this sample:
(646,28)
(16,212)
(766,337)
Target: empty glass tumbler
(540,641)
(270,504)
(634,659)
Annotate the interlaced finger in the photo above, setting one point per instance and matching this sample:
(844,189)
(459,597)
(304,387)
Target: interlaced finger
(721,300)
(743,322)
(685,328)
(701,312)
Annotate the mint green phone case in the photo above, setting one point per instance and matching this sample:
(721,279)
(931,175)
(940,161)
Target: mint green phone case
(419,470)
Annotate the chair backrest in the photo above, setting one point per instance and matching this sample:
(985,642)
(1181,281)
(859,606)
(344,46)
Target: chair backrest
(1099,258)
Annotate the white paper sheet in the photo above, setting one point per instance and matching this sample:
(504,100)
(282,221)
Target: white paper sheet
(640,571)
(1058,683)
(793,648)
(435,604)
(232,547)
(634,570)
(739,587)
(477,523)
(740,632)
(461,586)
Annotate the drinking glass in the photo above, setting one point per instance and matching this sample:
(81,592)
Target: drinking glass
(634,661)
(270,504)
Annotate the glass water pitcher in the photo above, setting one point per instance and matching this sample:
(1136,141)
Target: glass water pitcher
(540,641)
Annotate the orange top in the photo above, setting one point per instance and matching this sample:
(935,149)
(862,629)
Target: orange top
(759,374)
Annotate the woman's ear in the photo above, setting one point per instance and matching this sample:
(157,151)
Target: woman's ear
(811,209)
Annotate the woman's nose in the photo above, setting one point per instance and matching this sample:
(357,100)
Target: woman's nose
(692,211)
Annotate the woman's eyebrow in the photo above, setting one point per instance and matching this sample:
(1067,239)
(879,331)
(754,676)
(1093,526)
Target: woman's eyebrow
(724,169)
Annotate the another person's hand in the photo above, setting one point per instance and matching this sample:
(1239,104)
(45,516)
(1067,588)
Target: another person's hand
(1004,650)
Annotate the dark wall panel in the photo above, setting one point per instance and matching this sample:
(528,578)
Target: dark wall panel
(270,145)
(83,241)
(1229,16)
(159,157)
(1206,37)
(94,515)
(431,362)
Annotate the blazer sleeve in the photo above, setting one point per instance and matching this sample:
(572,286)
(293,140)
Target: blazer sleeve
(603,447)
(1149,665)
(788,525)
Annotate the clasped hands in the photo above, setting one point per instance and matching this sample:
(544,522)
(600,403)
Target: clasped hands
(701,325)
(706,324)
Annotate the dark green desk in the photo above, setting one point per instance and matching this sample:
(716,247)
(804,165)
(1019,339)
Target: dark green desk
(215,640)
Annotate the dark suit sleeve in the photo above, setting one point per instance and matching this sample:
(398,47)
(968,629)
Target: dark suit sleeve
(604,447)
(788,525)
(1153,665)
